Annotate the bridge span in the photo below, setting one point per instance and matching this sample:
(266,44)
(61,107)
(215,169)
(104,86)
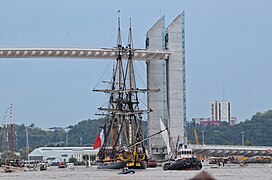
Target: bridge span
(74,53)
(231,150)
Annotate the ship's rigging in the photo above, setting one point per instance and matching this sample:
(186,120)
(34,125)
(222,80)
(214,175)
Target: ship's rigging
(6,132)
(123,134)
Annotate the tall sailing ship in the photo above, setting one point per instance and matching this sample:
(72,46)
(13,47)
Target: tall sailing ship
(123,143)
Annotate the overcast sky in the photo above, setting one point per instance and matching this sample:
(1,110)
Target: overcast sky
(228,44)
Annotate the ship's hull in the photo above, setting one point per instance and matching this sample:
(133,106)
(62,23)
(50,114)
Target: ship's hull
(111,165)
(121,164)
(184,164)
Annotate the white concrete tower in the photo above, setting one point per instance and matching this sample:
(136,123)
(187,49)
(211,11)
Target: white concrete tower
(176,97)
(169,76)
(156,78)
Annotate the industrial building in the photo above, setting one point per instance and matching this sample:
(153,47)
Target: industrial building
(61,154)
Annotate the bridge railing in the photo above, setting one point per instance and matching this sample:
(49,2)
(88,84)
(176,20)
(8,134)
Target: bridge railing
(231,147)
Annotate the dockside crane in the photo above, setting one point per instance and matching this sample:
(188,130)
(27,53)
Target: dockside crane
(201,157)
(196,137)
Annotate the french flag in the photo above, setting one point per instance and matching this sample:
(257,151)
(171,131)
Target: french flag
(99,140)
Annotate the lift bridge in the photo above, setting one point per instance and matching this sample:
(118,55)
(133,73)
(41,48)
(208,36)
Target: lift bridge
(165,67)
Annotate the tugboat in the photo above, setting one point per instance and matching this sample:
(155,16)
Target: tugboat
(121,139)
(183,161)
(181,158)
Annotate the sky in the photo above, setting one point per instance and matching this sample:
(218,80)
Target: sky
(228,46)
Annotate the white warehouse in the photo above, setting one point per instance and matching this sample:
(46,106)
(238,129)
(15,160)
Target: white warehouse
(58,154)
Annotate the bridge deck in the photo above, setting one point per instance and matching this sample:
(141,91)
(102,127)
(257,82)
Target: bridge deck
(103,53)
(225,150)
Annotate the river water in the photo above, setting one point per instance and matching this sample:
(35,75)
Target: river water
(233,172)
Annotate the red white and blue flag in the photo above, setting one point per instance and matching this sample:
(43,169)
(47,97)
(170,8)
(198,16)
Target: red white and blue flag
(99,140)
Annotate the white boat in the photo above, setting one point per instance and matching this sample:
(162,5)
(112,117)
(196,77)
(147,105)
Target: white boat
(70,166)
(43,166)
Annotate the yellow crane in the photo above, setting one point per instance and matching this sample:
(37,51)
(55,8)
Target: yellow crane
(201,157)
(196,137)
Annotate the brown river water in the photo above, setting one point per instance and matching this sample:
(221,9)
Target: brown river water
(231,172)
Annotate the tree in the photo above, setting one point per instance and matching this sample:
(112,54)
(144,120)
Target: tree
(32,125)
(72,160)
(248,143)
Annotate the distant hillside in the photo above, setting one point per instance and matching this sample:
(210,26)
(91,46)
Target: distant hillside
(86,130)
(258,131)
(81,134)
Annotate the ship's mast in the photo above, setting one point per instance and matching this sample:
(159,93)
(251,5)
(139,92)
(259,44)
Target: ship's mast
(131,79)
(12,132)
(130,55)
(7,146)
(6,135)
(116,97)
(121,83)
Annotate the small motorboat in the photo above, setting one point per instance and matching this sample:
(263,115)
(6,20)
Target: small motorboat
(61,165)
(71,166)
(43,167)
(151,163)
(127,171)
(7,169)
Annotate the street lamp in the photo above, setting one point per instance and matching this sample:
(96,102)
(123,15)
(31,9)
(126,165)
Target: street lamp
(66,141)
(202,133)
(243,140)
(27,144)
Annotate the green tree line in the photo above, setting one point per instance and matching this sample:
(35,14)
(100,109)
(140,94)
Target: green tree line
(258,131)
(81,134)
